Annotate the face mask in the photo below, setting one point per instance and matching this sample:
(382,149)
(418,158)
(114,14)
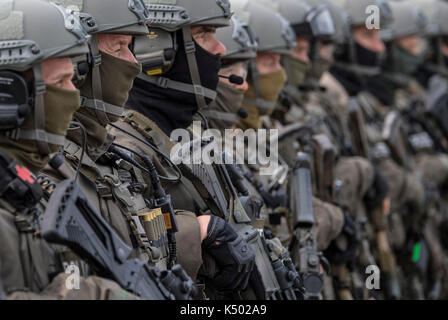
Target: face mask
(208,68)
(297,71)
(229,99)
(405,62)
(366,57)
(270,84)
(60,105)
(117,77)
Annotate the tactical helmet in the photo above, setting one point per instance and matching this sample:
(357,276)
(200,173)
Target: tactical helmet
(126,17)
(239,40)
(174,15)
(359,11)
(338,16)
(158,51)
(113,16)
(25,42)
(273,31)
(408,20)
(314,22)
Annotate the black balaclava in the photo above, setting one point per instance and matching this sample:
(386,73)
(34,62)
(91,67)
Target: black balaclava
(168,108)
(350,79)
(352,82)
(383,87)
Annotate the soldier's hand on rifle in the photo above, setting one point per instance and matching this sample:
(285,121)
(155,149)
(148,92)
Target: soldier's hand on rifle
(233,255)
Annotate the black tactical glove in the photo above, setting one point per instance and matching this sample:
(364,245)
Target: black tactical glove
(178,283)
(233,255)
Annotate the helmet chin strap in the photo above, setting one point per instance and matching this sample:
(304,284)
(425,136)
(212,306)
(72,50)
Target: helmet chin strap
(101,108)
(190,50)
(263,105)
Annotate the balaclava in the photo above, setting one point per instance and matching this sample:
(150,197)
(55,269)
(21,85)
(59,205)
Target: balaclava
(168,108)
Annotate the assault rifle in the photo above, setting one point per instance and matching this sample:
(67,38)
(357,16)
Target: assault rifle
(71,220)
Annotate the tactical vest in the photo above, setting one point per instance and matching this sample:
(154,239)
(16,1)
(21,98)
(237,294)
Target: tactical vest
(116,188)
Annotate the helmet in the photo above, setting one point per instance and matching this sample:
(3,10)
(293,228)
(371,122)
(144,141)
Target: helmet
(273,31)
(172,16)
(338,16)
(358,11)
(408,20)
(25,42)
(239,39)
(113,16)
(306,21)
(126,17)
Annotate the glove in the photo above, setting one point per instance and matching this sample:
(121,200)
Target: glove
(233,255)
(178,283)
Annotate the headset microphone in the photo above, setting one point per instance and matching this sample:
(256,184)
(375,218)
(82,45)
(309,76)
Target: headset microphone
(233,78)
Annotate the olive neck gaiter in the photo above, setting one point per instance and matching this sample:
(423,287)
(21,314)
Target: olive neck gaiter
(60,105)
(296,71)
(117,77)
(403,61)
(229,100)
(270,84)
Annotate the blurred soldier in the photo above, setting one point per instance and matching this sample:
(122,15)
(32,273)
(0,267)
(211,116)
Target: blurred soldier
(433,76)
(395,87)
(36,89)
(328,219)
(304,101)
(357,56)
